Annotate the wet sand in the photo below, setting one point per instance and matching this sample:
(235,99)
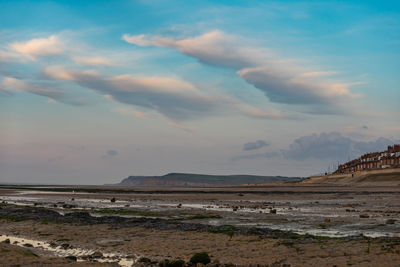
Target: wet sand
(238,249)
(336,211)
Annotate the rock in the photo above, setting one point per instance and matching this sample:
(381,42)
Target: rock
(113,199)
(240,195)
(390,221)
(53,245)
(65,246)
(179,205)
(97,255)
(144,260)
(163,263)
(272,211)
(177,263)
(364,216)
(7,241)
(28,245)
(327,220)
(68,206)
(200,257)
(71,258)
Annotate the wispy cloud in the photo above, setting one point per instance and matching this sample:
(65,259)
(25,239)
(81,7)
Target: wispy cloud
(10,84)
(172,97)
(255,145)
(280,80)
(110,154)
(181,127)
(33,48)
(212,48)
(130,112)
(93,61)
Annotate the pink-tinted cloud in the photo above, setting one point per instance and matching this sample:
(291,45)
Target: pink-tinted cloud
(174,98)
(52,45)
(93,61)
(280,80)
(10,84)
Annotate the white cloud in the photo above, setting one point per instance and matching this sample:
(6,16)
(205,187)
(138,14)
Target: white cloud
(291,88)
(281,80)
(93,61)
(51,45)
(54,95)
(174,98)
(214,48)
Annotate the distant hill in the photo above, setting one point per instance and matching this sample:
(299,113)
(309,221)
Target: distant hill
(191,179)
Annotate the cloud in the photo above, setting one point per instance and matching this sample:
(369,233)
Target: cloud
(212,48)
(51,45)
(174,98)
(61,44)
(255,145)
(110,153)
(6,56)
(289,88)
(130,112)
(181,127)
(258,113)
(93,61)
(332,146)
(324,146)
(280,80)
(56,95)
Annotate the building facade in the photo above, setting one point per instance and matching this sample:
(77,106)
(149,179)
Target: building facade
(389,158)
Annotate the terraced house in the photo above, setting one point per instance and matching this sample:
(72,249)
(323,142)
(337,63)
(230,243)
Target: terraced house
(389,158)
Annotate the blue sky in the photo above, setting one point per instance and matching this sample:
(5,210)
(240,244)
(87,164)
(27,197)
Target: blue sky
(94,91)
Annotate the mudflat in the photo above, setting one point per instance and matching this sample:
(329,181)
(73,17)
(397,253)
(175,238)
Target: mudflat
(280,225)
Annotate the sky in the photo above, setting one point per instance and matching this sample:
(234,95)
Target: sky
(94,91)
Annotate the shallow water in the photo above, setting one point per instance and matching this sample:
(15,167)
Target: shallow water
(122,260)
(317,216)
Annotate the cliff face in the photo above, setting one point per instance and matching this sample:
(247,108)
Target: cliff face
(189,179)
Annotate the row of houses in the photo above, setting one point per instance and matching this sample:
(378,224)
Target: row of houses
(389,158)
